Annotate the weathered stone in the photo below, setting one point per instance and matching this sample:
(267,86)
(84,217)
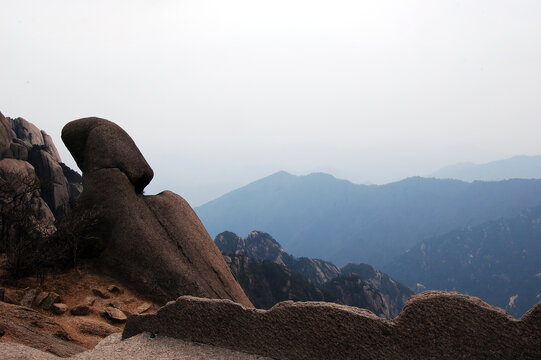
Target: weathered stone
(13,296)
(51,299)
(50,147)
(40,298)
(54,183)
(144,307)
(154,243)
(80,310)
(115,315)
(17,166)
(20,174)
(27,132)
(101,293)
(114,289)
(115,304)
(26,326)
(18,151)
(28,297)
(89,301)
(5,135)
(97,328)
(100,144)
(432,325)
(59,308)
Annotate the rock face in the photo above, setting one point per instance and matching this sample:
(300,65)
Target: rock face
(268,275)
(18,184)
(22,141)
(432,325)
(394,294)
(5,136)
(267,283)
(261,246)
(55,189)
(26,326)
(155,243)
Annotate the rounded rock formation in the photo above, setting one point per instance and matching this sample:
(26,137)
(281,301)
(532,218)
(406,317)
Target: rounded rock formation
(154,243)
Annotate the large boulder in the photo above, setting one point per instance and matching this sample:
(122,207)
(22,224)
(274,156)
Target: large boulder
(155,243)
(100,144)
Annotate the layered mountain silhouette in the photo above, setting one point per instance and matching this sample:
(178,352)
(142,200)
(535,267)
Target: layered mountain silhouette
(517,167)
(155,248)
(323,217)
(498,261)
(269,275)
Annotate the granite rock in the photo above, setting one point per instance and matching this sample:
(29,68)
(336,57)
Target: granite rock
(156,244)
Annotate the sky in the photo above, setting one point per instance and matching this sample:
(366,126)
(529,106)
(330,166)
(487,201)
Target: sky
(217,94)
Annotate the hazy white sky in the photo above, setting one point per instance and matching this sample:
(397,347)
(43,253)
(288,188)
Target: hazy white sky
(219,93)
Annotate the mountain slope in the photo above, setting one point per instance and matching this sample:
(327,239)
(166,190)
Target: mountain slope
(498,261)
(268,275)
(517,167)
(394,294)
(319,216)
(261,246)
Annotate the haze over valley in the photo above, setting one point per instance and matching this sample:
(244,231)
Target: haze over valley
(305,180)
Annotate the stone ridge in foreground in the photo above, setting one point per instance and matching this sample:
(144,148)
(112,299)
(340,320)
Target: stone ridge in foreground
(434,324)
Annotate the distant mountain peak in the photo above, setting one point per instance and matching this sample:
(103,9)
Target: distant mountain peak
(516,167)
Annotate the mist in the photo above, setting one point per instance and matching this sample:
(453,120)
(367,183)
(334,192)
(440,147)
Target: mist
(217,94)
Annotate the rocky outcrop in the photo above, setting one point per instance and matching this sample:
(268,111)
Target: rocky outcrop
(154,243)
(352,290)
(261,246)
(23,141)
(6,135)
(394,294)
(27,132)
(303,279)
(20,198)
(433,325)
(28,327)
(316,271)
(55,189)
(267,283)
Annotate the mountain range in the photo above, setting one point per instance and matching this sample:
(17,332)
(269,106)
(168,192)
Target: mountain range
(320,216)
(498,261)
(517,167)
(269,275)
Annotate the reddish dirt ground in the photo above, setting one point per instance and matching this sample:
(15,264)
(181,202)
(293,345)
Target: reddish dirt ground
(75,288)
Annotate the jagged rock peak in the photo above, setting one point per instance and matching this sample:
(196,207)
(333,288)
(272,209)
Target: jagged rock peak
(257,245)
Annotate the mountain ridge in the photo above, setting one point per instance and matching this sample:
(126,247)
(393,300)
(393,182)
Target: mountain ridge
(497,261)
(268,275)
(323,217)
(516,167)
